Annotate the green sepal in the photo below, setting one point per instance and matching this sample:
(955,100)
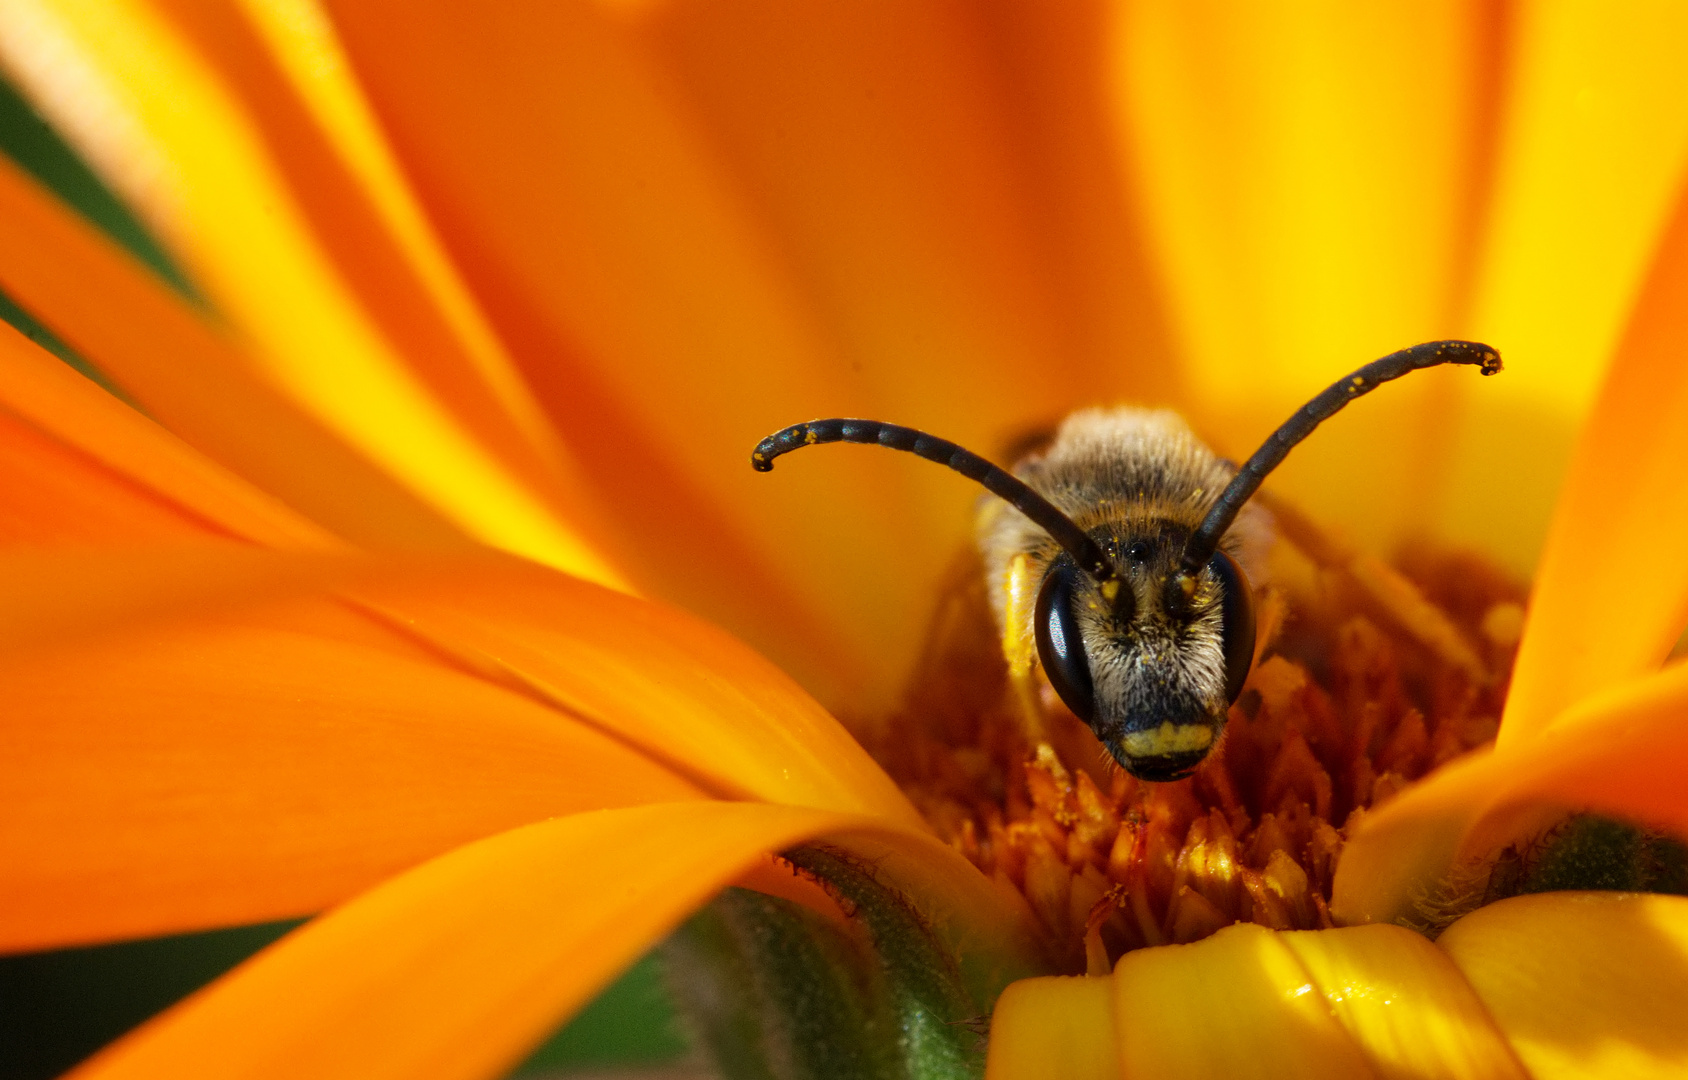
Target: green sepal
(771,990)
(1593,852)
(939,1020)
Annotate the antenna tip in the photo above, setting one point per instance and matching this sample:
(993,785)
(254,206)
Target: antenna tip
(1485,357)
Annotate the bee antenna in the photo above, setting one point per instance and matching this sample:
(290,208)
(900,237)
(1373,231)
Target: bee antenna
(1272,452)
(1086,552)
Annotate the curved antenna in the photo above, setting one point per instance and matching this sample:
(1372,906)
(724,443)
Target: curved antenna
(1077,543)
(1205,540)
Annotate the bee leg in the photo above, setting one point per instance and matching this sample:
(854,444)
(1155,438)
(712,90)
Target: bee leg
(1019,647)
(1390,590)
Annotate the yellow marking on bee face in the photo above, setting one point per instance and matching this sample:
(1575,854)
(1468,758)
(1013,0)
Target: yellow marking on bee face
(1169,738)
(1110,589)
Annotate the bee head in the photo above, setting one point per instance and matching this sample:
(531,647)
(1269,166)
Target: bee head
(1154,669)
(1148,645)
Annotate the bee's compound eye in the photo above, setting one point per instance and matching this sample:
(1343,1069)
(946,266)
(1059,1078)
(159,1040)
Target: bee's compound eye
(1238,631)
(1059,643)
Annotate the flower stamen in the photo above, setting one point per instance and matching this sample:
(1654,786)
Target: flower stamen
(1347,707)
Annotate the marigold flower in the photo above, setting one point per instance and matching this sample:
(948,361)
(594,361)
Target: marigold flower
(487,307)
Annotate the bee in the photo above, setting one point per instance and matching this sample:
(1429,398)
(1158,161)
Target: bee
(1118,558)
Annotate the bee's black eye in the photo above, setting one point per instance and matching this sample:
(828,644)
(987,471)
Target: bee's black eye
(1238,631)
(1059,643)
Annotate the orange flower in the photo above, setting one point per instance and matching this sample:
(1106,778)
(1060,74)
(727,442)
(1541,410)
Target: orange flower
(533,279)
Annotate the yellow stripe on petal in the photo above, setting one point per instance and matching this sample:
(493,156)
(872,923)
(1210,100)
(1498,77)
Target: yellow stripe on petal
(191,376)
(1593,620)
(1236,1004)
(148,111)
(303,42)
(1405,1004)
(1054,1026)
(1583,984)
(1309,174)
(1591,151)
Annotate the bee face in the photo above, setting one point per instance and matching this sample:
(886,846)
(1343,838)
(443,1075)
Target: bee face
(1153,672)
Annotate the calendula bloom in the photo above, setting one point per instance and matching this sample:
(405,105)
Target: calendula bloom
(488,305)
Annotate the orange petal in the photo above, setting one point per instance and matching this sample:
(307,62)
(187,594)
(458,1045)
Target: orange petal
(64,594)
(156,119)
(1236,1004)
(79,465)
(1583,984)
(458,968)
(676,687)
(914,211)
(1311,179)
(1407,1006)
(1054,1026)
(190,376)
(230,772)
(667,327)
(1591,623)
(1621,752)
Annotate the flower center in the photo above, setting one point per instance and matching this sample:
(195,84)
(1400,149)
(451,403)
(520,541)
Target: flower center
(1347,705)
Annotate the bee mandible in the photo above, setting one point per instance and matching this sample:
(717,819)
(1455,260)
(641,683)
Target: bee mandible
(1120,565)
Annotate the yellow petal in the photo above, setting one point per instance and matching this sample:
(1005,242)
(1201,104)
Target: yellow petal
(105,472)
(1236,1004)
(1583,984)
(226,772)
(1621,752)
(1251,1002)
(1054,1026)
(1310,178)
(193,378)
(1591,624)
(1405,1004)
(155,118)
